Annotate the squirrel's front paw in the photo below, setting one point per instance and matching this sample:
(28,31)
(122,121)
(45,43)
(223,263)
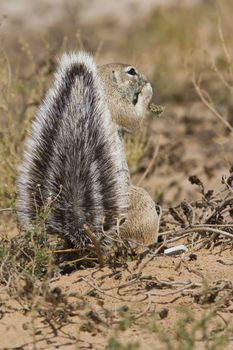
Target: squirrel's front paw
(146,94)
(143,100)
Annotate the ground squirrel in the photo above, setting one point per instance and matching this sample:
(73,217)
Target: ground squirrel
(75,153)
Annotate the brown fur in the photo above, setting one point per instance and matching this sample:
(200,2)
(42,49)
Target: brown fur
(119,87)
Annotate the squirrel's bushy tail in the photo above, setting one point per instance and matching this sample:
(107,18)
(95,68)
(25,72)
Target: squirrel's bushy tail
(71,155)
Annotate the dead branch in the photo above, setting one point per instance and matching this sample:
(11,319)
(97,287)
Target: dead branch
(208,104)
(151,162)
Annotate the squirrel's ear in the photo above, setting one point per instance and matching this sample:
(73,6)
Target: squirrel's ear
(113,76)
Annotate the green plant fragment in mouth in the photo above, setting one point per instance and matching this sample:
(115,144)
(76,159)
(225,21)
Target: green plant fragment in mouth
(156,109)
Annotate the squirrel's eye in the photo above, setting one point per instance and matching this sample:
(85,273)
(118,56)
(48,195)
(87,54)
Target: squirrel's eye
(132,71)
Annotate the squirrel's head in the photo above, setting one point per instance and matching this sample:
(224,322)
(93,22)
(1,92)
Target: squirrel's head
(128,94)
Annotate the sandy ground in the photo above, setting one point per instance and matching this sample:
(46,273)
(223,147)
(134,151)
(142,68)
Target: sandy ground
(102,297)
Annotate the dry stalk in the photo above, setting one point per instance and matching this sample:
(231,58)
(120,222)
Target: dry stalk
(201,93)
(141,314)
(98,289)
(208,229)
(224,46)
(151,162)
(179,290)
(220,76)
(6,209)
(96,244)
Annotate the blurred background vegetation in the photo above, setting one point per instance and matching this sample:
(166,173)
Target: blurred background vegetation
(184,48)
